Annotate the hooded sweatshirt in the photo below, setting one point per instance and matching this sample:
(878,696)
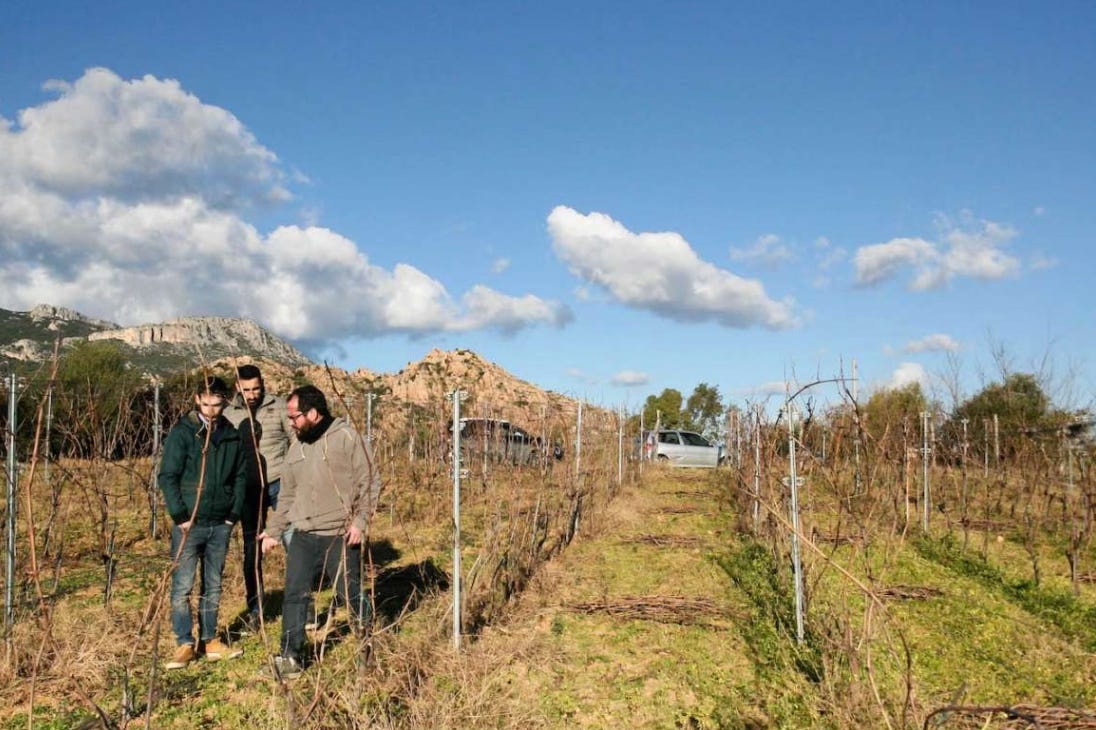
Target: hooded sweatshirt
(330,481)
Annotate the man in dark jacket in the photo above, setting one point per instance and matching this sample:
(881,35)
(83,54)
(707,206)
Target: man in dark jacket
(203,479)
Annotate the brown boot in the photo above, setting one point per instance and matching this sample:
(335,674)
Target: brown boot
(215,651)
(183,656)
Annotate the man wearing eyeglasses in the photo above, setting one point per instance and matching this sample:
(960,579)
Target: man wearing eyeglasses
(330,486)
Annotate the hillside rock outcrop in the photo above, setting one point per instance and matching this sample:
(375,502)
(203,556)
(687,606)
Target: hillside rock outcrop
(218,333)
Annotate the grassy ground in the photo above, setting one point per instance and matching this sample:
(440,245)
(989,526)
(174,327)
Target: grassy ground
(659,614)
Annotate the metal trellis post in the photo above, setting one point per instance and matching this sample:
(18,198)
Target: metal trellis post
(925,470)
(9,588)
(456,396)
(793,484)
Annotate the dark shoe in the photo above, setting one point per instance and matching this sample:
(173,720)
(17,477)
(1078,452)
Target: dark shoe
(249,625)
(282,668)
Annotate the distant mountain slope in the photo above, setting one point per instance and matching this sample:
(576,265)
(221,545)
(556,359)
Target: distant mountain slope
(30,335)
(155,348)
(222,343)
(207,338)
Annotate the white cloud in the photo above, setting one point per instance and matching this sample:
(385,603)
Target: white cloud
(830,255)
(138,140)
(768,251)
(773,387)
(881,261)
(906,373)
(660,273)
(932,343)
(581,376)
(123,200)
(1042,262)
(488,309)
(629,378)
(967,248)
(499,266)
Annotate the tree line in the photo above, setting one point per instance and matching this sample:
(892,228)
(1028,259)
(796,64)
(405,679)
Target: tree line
(1017,406)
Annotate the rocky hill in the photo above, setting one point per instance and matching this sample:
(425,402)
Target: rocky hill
(29,336)
(491,391)
(154,348)
(223,343)
(207,338)
(419,390)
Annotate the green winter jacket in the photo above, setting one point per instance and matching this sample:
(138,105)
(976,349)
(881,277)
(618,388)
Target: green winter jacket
(225,475)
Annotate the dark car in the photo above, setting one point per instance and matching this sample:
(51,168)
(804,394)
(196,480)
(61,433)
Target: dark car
(501,442)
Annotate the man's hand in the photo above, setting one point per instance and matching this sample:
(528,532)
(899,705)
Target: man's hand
(267,543)
(353,536)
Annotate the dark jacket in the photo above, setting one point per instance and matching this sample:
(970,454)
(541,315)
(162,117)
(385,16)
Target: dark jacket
(225,475)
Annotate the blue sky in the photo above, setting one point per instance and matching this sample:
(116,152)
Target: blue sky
(604,199)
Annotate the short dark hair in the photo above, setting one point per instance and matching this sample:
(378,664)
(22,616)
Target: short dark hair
(248,372)
(309,397)
(212,386)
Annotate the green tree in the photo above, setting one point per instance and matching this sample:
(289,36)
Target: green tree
(96,401)
(665,407)
(1019,404)
(703,410)
(886,410)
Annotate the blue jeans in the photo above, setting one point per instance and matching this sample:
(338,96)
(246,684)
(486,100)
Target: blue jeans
(204,546)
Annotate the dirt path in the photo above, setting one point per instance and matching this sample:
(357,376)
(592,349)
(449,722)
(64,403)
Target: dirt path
(634,626)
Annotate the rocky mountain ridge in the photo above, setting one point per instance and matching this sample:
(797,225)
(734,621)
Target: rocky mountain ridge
(207,333)
(155,347)
(224,343)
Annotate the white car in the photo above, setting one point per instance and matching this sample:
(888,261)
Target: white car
(683,448)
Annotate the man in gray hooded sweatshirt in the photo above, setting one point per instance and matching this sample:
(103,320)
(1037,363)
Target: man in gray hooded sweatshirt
(330,486)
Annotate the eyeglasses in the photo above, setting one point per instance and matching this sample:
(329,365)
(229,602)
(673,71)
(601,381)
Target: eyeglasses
(294,416)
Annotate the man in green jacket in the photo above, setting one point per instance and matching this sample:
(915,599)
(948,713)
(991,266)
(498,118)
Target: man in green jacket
(330,486)
(203,479)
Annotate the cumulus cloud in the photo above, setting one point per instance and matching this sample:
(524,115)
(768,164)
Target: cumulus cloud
(1042,262)
(581,376)
(125,200)
(965,248)
(932,343)
(828,254)
(140,139)
(629,378)
(768,251)
(882,261)
(906,373)
(660,273)
(773,387)
(488,309)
